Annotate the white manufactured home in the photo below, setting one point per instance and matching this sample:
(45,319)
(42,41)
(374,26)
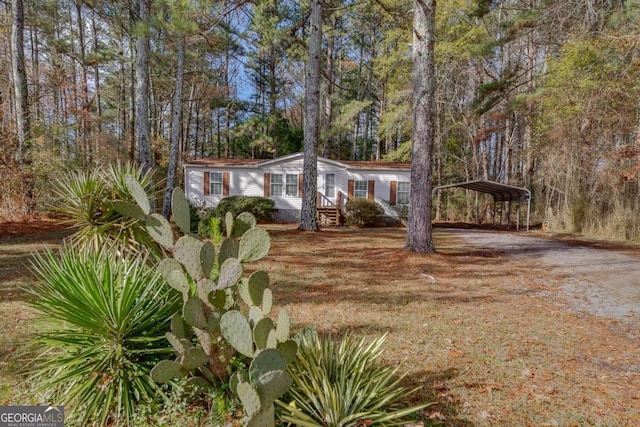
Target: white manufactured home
(207,181)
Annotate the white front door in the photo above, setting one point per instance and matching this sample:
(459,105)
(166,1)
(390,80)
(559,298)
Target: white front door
(330,186)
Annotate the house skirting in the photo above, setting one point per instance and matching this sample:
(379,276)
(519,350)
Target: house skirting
(286,215)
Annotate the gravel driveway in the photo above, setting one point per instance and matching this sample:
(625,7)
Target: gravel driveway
(601,282)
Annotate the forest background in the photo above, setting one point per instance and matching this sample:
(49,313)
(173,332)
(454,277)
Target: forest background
(542,94)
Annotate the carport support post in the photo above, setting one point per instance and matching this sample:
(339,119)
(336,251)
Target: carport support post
(528,209)
(494,211)
(518,216)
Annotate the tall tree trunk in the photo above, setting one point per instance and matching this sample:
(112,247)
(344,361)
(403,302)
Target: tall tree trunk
(35,76)
(419,228)
(21,106)
(328,103)
(85,118)
(132,92)
(176,128)
(96,73)
(308,219)
(142,90)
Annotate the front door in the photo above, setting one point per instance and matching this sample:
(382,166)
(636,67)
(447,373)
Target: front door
(330,186)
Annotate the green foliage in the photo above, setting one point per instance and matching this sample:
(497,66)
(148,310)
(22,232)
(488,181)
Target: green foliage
(402,154)
(106,315)
(210,226)
(211,329)
(99,205)
(260,207)
(364,213)
(344,384)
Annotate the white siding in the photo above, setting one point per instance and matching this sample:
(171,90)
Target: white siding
(249,181)
(293,167)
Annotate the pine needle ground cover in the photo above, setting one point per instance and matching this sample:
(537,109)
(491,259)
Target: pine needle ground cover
(490,339)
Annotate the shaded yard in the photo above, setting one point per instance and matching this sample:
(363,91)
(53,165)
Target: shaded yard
(491,338)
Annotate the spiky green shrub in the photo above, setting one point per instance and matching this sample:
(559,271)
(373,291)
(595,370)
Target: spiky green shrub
(104,318)
(90,201)
(364,213)
(344,384)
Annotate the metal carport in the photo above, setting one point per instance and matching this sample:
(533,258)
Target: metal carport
(500,192)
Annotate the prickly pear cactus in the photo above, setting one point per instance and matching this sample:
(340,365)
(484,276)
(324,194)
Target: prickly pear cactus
(227,313)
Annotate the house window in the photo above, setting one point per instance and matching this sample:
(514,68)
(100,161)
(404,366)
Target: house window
(330,185)
(403,193)
(360,190)
(291,189)
(276,184)
(215,183)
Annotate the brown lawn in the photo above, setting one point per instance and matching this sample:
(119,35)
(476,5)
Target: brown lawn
(490,340)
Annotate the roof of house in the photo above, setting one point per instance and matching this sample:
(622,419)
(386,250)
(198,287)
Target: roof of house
(224,162)
(232,162)
(377,164)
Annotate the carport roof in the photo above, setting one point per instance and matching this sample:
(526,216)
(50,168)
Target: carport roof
(500,192)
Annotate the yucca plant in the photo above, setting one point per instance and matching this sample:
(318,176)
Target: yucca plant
(88,201)
(104,318)
(342,384)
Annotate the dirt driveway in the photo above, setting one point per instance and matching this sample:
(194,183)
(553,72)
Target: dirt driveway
(595,280)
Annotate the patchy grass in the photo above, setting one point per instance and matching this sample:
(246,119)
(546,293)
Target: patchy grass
(486,337)
(18,240)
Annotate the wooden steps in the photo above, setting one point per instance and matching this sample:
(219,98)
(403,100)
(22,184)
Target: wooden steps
(329,216)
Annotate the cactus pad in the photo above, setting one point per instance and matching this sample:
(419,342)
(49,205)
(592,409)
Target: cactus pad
(160,230)
(267,301)
(193,358)
(178,328)
(205,340)
(261,332)
(193,313)
(228,249)
(288,350)
(249,398)
(266,360)
(272,341)
(205,287)
(254,244)
(258,282)
(237,331)
(243,290)
(175,342)
(213,321)
(138,193)
(272,385)
(255,315)
(264,418)
(167,370)
(172,272)
(237,378)
(180,210)
(284,326)
(243,222)
(230,273)
(218,299)
(128,209)
(207,258)
(228,223)
(187,252)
